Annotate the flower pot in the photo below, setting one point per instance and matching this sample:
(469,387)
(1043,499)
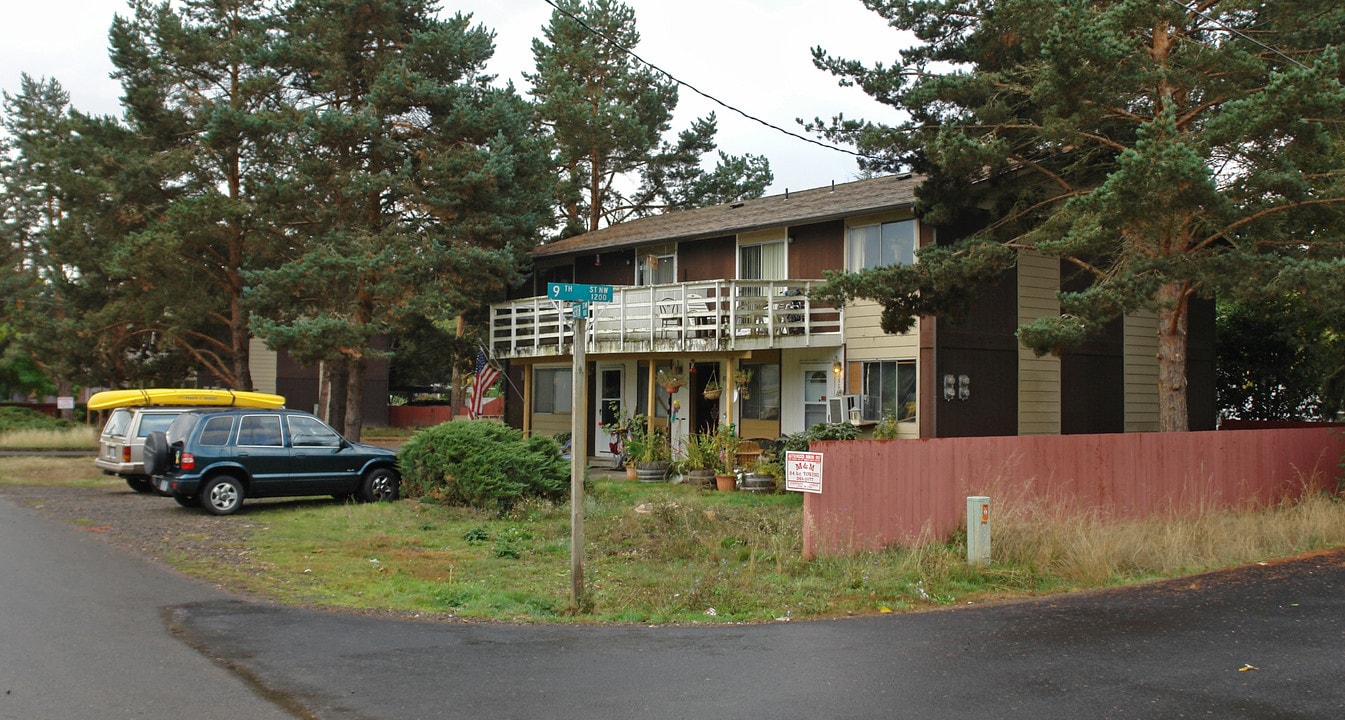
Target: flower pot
(726,482)
(631,473)
(670,389)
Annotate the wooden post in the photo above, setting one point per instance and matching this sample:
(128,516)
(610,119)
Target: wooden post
(578,458)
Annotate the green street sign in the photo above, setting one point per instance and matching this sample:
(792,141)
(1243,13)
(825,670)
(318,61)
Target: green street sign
(576,292)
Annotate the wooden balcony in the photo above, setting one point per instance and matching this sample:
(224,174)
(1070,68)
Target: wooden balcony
(718,316)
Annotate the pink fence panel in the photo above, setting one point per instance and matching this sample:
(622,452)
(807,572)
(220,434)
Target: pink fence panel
(880,492)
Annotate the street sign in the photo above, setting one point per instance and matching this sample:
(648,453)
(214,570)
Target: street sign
(578,292)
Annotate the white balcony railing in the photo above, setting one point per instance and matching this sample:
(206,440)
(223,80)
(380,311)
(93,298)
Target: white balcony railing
(724,315)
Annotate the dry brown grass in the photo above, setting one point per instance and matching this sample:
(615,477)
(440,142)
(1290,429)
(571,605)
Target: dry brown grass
(1089,547)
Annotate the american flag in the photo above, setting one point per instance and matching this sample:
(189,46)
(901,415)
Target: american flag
(486,375)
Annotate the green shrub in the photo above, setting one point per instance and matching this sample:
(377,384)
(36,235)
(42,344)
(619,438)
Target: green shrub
(482,464)
(798,442)
(19,418)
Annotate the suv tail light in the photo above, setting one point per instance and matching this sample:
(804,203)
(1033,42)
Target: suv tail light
(187,461)
(126,453)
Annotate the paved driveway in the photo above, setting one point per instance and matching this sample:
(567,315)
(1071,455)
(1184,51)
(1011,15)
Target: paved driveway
(90,631)
(1262,642)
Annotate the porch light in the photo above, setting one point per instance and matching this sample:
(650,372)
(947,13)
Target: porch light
(836,368)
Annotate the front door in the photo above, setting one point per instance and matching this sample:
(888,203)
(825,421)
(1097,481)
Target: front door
(816,380)
(611,405)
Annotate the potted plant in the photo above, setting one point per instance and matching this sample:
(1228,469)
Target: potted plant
(742,377)
(698,460)
(650,450)
(725,444)
(671,380)
(712,390)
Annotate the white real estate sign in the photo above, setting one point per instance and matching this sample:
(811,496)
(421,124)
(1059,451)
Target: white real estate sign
(803,472)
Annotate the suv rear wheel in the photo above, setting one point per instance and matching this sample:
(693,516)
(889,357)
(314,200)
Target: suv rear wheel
(140,483)
(222,495)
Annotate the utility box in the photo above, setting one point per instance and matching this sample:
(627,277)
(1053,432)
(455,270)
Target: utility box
(978,530)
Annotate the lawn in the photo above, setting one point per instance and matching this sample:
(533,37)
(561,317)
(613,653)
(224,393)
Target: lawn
(668,553)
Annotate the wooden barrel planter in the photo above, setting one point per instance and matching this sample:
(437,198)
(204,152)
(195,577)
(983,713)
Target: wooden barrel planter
(656,471)
(758,483)
(699,478)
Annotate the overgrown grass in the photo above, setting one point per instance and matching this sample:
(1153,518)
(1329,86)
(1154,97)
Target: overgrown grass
(75,437)
(671,554)
(25,429)
(659,553)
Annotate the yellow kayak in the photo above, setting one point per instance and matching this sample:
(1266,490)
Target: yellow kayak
(184,396)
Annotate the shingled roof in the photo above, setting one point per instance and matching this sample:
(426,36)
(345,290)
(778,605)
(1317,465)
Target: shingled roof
(791,208)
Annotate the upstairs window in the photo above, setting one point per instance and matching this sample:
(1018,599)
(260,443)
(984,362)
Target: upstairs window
(889,243)
(763,261)
(657,265)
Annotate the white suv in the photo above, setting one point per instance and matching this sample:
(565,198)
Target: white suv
(121,444)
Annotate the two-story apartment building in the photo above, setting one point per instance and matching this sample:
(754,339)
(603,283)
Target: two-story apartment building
(709,292)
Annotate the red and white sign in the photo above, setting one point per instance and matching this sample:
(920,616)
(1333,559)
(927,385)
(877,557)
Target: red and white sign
(803,472)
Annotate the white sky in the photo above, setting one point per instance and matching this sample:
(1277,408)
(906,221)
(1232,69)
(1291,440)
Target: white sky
(751,54)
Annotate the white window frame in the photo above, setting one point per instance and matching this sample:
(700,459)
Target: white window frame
(855,258)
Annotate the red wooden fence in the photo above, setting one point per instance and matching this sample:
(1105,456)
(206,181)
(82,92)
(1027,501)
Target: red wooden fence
(880,492)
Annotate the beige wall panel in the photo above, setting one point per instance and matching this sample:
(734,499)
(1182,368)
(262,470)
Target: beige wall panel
(262,365)
(1141,372)
(1038,377)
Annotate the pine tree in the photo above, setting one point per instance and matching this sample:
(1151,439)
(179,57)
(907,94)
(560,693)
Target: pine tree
(609,114)
(416,187)
(199,95)
(57,291)
(1165,150)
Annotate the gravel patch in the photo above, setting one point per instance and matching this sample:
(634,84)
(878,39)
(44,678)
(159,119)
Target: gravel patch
(153,527)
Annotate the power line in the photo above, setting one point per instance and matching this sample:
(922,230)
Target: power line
(1199,13)
(705,95)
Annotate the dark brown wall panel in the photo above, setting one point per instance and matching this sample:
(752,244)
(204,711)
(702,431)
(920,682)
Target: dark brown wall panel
(815,248)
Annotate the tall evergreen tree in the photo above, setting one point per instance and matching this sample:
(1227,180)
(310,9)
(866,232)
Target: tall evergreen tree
(417,187)
(200,95)
(1164,149)
(609,114)
(56,171)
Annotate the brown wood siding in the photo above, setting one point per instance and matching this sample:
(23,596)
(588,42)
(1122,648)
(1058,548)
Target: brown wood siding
(713,259)
(1201,406)
(617,267)
(1092,393)
(815,248)
(299,384)
(1092,384)
(984,348)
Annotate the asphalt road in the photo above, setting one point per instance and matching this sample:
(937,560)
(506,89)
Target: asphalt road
(1260,642)
(82,633)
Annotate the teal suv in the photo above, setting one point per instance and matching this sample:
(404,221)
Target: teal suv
(214,458)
